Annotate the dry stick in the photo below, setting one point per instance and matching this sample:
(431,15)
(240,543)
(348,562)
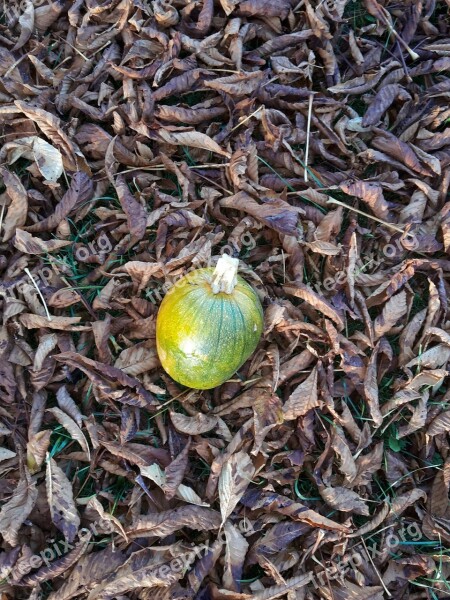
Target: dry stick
(405,68)
(27,271)
(82,298)
(246,118)
(215,184)
(161,167)
(376,570)
(308,132)
(73,47)
(394,227)
(13,66)
(1,216)
(400,40)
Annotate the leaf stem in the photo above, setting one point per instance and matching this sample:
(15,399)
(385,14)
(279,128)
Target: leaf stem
(224,278)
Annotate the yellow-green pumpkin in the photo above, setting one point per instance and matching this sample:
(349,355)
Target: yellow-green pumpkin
(208,325)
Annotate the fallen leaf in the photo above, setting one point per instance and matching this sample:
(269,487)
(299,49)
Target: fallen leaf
(18,209)
(234,479)
(68,423)
(303,399)
(17,509)
(60,500)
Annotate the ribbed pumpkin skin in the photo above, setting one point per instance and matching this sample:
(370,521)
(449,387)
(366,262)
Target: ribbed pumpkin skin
(202,338)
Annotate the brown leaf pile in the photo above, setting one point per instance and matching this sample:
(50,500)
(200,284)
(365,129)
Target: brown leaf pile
(140,140)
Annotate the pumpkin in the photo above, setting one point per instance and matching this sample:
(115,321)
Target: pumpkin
(208,325)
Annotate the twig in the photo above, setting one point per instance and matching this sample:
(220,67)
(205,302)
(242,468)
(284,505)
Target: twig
(61,39)
(384,16)
(160,167)
(246,119)
(215,183)
(14,65)
(401,41)
(27,271)
(1,216)
(360,212)
(308,132)
(376,570)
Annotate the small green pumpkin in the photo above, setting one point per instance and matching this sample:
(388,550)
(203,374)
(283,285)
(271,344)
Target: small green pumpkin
(208,325)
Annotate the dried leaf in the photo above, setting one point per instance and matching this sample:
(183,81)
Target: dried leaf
(175,472)
(192,139)
(299,290)
(104,516)
(68,423)
(257,499)
(345,500)
(37,448)
(80,191)
(237,85)
(17,210)
(382,101)
(183,492)
(234,479)
(48,159)
(193,425)
(136,215)
(60,500)
(235,551)
(164,523)
(303,399)
(29,244)
(67,404)
(17,509)
(394,309)
(440,424)
(274,213)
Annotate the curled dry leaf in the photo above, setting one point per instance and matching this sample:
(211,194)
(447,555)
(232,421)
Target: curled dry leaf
(175,472)
(68,423)
(196,425)
(80,191)
(382,101)
(394,309)
(60,500)
(302,291)
(29,244)
(182,492)
(303,399)
(59,566)
(67,404)
(234,479)
(440,424)
(17,509)
(111,381)
(192,139)
(136,215)
(26,22)
(257,499)
(18,209)
(37,448)
(104,516)
(164,523)
(235,552)
(48,159)
(345,500)
(275,213)
(237,85)
(403,501)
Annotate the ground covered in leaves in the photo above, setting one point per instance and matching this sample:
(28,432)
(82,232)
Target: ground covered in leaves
(309,139)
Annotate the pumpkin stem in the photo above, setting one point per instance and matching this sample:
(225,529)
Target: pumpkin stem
(224,277)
